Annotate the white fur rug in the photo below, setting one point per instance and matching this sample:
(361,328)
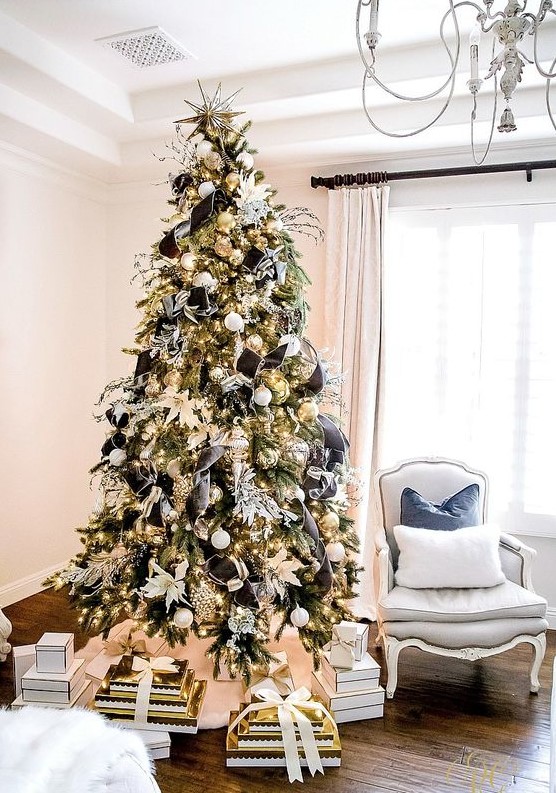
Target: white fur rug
(44,750)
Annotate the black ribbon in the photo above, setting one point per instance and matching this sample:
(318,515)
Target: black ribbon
(232,573)
(198,499)
(141,478)
(265,265)
(179,183)
(115,441)
(317,380)
(201,212)
(335,443)
(250,363)
(143,368)
(319,485)
(118,416)
(191,304)
(324,576)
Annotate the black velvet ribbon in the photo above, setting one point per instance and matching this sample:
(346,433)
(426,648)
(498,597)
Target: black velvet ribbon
(317,380)
(118,416)
(335,443)
(198,499)
(250,363)
(179,183)
(115,441)
(142,478)
(324,576)
(201,212)
(232,573)
(319,484)
(192,304)
(143,368)
(265,265)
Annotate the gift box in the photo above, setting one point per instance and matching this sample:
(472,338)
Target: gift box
(158,693)
(349,706)
(23,659)
(81,698)
(342,646)
(276,676)
(364,675)
(54,652)
(51,687)
(361,638)
(122,641)
(290,739)
(157,742)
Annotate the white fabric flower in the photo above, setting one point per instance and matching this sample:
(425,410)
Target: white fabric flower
(248,191)
(284,568)
(163,583)
(180,406)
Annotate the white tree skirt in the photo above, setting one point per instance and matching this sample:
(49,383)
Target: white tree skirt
(222,695)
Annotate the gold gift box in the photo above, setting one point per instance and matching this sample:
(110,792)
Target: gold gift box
(165,703)
(273,756)
(172,722)
(248,739)
(123,678)
(267,719)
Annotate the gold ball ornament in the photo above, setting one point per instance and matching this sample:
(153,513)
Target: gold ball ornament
(215,494)
(254,342)
(268,458)
(174,380)
(173,469)
(278,384)
(329,521)
(217,374)
(297,451)
(223,247)
(212,160)
(205,601)
(307,411)
(232,180)
(236,256)
(225,221)
(152,389)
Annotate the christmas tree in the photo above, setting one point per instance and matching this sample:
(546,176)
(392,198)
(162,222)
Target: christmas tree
(224,483)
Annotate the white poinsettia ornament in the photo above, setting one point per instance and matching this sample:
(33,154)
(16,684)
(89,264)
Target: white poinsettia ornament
(180,406)
(282,570)
(248,191)
(163,583)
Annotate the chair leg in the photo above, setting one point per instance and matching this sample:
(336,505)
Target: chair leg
(392,649)
(5,630)
(539,649)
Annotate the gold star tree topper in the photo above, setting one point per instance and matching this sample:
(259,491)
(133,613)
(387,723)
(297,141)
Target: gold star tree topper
(214,116)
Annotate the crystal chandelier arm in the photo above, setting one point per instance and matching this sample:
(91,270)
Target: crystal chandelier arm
(415,131)
(369,68)
(552,73)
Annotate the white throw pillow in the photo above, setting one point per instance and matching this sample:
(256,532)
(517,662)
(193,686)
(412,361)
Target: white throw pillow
(459,559)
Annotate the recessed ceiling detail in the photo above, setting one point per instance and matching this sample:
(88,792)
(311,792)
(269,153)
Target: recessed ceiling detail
(147,47)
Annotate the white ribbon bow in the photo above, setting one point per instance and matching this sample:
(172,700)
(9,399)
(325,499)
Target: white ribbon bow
(289,711)
(144,669)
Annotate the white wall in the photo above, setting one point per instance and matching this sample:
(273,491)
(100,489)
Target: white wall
(53,339)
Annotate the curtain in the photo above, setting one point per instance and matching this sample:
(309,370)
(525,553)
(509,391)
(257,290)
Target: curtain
(353,318)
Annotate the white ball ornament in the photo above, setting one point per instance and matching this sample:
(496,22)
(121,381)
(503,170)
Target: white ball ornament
(220,539)
(262,396)
(204,278)
(335,552)
(203,148)
(205,189)
(183,618)
(234,322)
(187,261)
(294,345)
(299,617)
(117,457)
(300,494)
(245,160)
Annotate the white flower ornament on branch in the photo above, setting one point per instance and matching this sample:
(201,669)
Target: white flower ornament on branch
(165,584)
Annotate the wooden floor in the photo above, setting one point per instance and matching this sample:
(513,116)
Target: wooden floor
(453,726)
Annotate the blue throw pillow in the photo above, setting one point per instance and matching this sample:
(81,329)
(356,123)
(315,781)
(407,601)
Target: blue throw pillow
(457,512)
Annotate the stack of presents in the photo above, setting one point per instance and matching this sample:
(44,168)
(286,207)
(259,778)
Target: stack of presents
(278,724)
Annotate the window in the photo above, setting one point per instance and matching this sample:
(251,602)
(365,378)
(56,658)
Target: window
(470,350)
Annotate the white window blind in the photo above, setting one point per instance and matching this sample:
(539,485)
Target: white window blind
(470,350)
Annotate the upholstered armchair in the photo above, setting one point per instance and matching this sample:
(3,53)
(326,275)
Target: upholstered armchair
(469,623)
(5,630)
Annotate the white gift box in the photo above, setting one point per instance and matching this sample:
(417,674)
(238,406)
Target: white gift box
(278,679)
(54,652)
(342,646)
(364,675)
(361,639)
(23,659)
(352,706)
(80,699)
(51,687)
(157,742)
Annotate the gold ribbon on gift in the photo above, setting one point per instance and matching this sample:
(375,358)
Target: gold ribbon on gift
(290,712)
(277,672)
(144,669)
(127,645)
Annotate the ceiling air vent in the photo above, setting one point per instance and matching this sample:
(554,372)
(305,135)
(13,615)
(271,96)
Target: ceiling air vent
(147,47)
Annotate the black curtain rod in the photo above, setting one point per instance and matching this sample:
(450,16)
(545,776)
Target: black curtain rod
(380,177)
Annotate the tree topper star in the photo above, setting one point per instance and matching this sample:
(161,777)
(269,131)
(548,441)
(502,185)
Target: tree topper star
(214,115)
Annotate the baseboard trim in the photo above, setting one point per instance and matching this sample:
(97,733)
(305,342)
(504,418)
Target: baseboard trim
(551,618)
(30,585)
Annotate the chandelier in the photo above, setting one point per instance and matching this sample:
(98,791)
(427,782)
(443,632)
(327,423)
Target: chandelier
(507,31)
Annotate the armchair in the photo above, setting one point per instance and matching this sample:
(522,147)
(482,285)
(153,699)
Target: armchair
(5,630)
(461,623)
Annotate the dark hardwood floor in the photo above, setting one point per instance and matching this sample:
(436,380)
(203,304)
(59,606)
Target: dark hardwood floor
(453,726)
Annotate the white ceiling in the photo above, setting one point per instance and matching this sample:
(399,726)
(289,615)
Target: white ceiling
(67,98)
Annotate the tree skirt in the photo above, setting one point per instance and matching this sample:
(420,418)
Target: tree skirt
(222,695)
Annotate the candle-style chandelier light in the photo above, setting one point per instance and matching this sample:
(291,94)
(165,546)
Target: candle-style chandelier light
(508,31)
